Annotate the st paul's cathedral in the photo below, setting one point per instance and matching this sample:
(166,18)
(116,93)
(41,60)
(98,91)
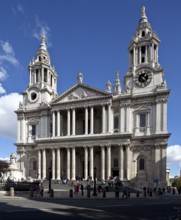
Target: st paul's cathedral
(120,132)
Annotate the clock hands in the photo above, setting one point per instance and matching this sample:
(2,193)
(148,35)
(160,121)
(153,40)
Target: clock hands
(144,77)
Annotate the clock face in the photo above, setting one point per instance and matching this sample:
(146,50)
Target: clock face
(33,96)
(143,78)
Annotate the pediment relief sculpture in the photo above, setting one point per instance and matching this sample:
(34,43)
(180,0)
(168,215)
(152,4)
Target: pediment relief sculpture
(75,96)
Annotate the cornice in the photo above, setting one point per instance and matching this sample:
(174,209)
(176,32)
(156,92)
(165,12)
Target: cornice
(94,101)
(82,140)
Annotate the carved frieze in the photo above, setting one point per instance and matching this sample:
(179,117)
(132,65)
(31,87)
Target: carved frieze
(139,148)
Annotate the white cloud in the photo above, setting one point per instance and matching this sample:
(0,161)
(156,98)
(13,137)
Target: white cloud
(41,29)
(8,54)
(174,155)
(8,104)
(19,9)
(2,90)
(5,159)
(3,73)
(9,58)
(7,48)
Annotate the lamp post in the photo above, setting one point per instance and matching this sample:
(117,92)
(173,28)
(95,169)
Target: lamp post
(95,190)
(50,177)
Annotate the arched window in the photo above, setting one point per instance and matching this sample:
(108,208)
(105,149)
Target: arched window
(34,165)
(143,33)
(142,164)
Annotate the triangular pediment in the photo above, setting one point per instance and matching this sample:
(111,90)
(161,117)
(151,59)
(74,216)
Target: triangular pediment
(80,91)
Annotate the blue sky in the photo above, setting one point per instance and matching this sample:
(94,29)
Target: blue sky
(90,36)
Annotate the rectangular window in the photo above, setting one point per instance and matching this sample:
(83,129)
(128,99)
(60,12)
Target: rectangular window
(51,129)
(33,130)
(36,75)
(142,120)
(45,75)
(116,123)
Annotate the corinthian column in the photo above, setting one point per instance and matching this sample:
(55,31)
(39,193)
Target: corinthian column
(110,118)
(58,123)
(103,119)
(53,123)
(68,163)
(85,163)
(108,161)
(164,115)
(53,164)
(92,120)
(103,162)
(58,164)
(128,162)
(158,116)
(121,162)
(86,120)
(44,164)
(39,164)
(91,161)
(68,122)
(73,163)
(73,121)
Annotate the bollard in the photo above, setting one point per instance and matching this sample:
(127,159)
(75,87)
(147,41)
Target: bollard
(11,191)
(88,193)
(150,193)
(116,194)
(31,192)
(71,193)
(137,194)
(41,192)
(104,193)
(51,193)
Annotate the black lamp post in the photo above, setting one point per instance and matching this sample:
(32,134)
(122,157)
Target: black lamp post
(95,189)
(50,177)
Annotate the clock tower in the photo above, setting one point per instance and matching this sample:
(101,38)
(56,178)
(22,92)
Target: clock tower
(145,73)
(42,86)
(146,92)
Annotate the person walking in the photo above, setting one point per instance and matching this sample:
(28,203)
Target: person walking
(82,189)
(125,193)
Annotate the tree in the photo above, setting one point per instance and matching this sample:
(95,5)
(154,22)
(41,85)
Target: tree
(176,182)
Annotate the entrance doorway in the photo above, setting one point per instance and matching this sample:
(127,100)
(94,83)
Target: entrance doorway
(115,173)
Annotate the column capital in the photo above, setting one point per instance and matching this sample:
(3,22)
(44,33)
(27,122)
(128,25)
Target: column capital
(85,146)
(108,145)
(102,146)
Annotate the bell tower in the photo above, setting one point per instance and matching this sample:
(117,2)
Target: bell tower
(145,73)
(42,86)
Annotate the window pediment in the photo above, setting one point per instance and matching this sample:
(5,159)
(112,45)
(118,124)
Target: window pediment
(140,109)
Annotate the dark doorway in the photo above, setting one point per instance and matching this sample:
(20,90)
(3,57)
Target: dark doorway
(115,173)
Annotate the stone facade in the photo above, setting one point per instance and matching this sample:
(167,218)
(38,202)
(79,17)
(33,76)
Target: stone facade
(121,133)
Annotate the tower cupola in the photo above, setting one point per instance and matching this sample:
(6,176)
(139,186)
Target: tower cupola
(143,48)
(43,77)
